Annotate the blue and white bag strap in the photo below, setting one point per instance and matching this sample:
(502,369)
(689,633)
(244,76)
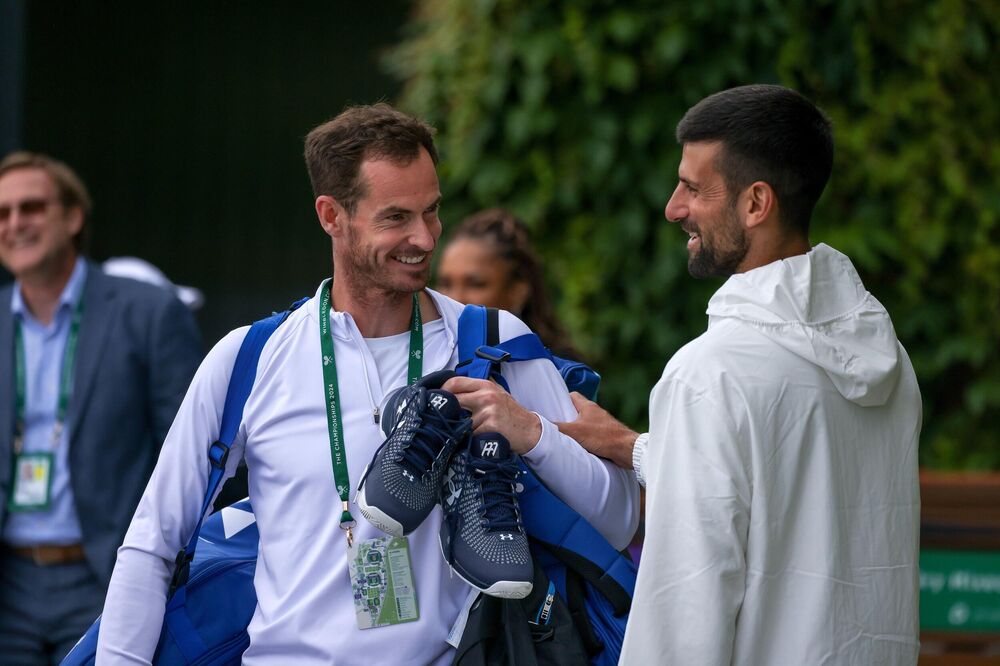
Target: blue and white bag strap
(240,383)
(480,352)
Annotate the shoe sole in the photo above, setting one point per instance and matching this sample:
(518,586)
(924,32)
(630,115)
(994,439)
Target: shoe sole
(376,516)
(502,589)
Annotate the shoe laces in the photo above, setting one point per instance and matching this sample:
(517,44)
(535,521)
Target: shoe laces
(420,455)
(497,496)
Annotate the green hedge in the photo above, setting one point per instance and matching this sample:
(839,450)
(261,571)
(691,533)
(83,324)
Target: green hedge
(565,112)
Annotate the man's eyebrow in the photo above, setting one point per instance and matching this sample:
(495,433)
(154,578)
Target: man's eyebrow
(391,210)
(688,182)
(394,210)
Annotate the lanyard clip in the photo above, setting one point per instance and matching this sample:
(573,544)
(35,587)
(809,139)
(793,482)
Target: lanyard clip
(347,524)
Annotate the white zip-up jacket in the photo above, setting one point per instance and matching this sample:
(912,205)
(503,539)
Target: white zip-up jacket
(305,610)
(782,506)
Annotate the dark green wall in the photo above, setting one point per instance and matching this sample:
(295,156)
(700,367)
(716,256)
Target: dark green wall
(186,122)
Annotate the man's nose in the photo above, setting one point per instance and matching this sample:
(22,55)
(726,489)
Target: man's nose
(421,236)
(676,209)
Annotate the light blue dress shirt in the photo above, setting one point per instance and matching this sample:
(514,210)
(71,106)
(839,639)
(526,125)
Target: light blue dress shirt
(43,356)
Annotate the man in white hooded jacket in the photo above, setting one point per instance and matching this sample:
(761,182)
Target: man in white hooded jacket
(782,507)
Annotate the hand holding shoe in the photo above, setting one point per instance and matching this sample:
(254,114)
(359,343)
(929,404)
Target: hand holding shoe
(494,410)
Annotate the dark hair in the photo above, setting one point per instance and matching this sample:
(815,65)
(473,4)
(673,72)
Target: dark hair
(510,240)
(72,192)
(335,150)
(768,133)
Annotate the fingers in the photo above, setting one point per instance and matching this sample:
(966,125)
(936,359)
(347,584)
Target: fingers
(460,385)
(579,401)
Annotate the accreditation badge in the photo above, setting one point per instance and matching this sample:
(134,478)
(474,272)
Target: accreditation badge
(32,485)
(382,582)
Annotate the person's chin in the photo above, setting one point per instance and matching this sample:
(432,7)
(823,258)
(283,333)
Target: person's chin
(20,263)
(415,281)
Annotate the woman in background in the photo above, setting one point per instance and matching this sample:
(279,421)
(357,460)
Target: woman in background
(490,261)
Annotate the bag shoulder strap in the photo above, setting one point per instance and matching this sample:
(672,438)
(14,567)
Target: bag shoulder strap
(240,383)
(480,351)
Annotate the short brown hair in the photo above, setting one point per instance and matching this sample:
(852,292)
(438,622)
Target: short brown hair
(335,150)
(72,192)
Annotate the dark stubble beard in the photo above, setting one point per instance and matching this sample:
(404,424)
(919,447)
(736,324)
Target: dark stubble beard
(722,252)
(365,272)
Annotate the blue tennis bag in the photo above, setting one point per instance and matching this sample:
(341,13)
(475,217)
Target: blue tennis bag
(595,580)
(212,598)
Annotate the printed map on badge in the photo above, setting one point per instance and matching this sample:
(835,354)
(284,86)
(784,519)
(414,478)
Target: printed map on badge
(382,582)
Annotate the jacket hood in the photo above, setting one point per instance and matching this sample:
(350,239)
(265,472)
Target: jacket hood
(815,306)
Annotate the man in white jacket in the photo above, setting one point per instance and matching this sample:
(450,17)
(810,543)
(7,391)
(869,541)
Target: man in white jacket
(782,507)
(377,197)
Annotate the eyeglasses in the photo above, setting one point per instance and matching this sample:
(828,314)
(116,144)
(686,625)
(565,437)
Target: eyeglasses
(26,207)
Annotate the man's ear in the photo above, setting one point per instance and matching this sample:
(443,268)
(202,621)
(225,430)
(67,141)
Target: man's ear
(760,204)
(74,220)
(332,216)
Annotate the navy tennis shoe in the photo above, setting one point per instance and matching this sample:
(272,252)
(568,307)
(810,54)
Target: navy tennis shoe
(482,536)
(402,483)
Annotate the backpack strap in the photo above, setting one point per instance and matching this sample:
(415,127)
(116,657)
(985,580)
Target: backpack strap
(240,383)
(175,618)
(480,351)
(477,326)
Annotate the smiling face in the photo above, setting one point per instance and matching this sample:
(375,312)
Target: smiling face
(471,272)
(387,244)
(718,242)
(36,230)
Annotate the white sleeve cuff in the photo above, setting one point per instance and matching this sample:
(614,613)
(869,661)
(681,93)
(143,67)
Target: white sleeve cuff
(638,453)
(544,443)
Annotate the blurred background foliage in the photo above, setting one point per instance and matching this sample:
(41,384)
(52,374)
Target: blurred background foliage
(565,113)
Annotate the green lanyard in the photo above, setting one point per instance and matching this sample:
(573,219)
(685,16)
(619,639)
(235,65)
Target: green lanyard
(65,379)
(331,392)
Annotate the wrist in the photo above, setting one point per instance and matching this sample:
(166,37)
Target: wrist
(531,434)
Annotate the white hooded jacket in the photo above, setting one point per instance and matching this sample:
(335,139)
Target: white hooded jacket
(782,508)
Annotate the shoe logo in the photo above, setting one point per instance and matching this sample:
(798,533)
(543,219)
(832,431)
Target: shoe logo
(490,449)
(408,475)
(454,489)
(506,537)
(438,401)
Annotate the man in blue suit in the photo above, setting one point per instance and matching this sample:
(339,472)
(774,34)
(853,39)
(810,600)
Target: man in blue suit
(92,371)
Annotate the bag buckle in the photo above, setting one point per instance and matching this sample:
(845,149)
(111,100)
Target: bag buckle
(218,454)
(182,568)
(493,354)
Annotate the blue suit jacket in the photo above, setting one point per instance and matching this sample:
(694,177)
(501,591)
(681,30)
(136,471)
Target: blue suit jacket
(137,352)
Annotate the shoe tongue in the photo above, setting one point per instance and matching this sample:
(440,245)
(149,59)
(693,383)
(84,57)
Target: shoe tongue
(491,445)
(445,403)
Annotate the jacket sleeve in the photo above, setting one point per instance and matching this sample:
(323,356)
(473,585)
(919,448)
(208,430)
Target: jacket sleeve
(606,495)
(175,350)
(167,514)
(692,579)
